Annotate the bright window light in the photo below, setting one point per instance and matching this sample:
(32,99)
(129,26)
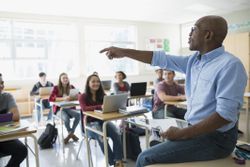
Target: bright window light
(98,37)
(29,47)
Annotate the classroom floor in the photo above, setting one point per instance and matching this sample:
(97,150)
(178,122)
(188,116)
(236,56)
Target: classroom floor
(55,158)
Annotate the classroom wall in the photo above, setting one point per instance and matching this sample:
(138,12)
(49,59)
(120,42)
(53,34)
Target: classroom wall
(145,30)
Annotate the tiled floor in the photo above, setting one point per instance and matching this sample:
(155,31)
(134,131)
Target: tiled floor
(55,158)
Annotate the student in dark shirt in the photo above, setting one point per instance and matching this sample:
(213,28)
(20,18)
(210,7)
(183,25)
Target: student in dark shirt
(15,148)
(35,91)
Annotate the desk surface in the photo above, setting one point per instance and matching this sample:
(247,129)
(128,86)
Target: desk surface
(17,134)
(66,103)
(141,96)
(108,116)
(182,103)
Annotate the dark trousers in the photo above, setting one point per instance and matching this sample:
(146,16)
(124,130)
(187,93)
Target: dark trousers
(16,149)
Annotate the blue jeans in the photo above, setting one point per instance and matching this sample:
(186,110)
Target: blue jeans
(46,105)
(68,113)
(211,146)
(114,134)
(159,114)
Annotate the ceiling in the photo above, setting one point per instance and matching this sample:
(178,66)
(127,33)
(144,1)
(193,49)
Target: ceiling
(164,11)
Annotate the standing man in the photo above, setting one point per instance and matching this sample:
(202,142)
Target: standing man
(15,148)
(215,84)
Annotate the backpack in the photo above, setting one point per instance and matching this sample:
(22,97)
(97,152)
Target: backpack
(48,137)
(132,144)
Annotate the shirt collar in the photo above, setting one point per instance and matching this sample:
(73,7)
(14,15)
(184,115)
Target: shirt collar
(211,55)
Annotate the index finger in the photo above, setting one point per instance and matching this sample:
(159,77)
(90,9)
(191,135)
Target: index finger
(104,50)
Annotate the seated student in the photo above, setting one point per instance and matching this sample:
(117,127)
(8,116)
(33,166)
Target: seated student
(120,86)
(42,83)
(93,99)
(159,73)
(168,90)
(14,148)
(61,92)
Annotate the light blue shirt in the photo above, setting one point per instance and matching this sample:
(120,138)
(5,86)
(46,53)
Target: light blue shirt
(215,82)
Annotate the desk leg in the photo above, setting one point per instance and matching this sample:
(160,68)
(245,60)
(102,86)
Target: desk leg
(61,120)
(105,142)
(36,150)
(27,158)
(124,141)
(147,137)
(247,121)
(41,110)
(90,164)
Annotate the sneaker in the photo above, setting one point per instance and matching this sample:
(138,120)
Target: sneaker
(74,137)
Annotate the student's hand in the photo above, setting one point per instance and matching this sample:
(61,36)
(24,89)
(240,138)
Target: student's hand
(67,98)
(173,133)
(113,52)
(182,97)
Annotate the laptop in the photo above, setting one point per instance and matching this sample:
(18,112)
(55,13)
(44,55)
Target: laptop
(45,91)
(73,92)
(112,103)
(106,84)
(138,89)
(5,118)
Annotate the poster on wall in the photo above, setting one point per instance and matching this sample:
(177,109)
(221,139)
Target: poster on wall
(156,44)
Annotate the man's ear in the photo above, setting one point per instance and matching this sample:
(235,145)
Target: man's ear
(209,35)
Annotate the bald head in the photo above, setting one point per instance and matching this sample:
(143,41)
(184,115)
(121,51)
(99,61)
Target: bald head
(215,24)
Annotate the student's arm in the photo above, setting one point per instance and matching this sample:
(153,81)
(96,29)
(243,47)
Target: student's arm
(115,52)
(34,90)
(161,92)
(127,86)
(86,107)
(53,96)
(13,108)
(16,115)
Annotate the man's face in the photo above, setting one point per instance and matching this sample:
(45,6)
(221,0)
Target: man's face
(1,84)
(159,73)
(169,75)
(196,37)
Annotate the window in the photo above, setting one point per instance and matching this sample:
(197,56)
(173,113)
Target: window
(101,36)
(28,48)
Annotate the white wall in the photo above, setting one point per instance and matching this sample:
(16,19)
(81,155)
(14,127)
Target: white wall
(145,30)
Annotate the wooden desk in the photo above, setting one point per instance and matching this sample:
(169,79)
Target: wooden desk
(62,105)
(247,96)
(105,118)
(182,104)
(24,134)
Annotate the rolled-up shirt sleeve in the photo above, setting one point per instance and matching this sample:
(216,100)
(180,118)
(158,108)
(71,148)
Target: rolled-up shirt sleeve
(230,89)
(165,61)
